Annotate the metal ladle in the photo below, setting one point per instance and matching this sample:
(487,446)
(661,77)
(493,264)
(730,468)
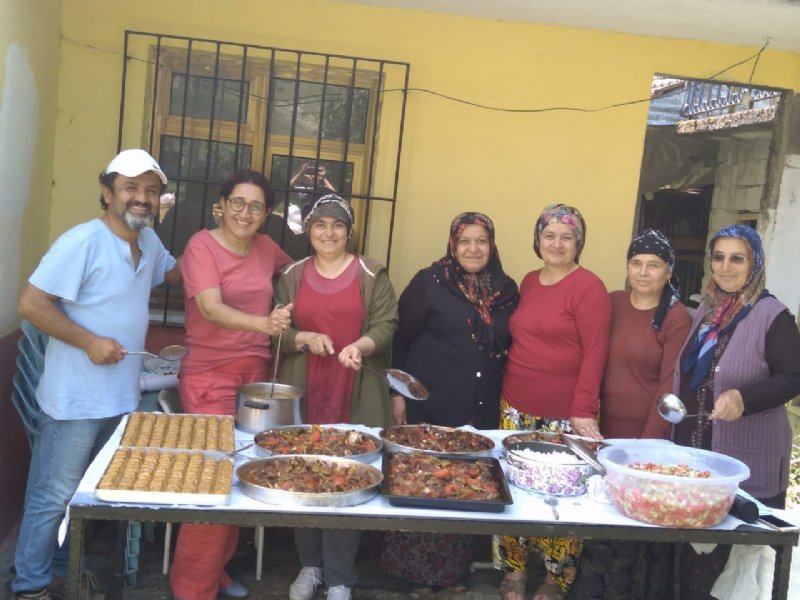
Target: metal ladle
(277,355)
(672,409)
(275,368)
(170,353)
(401,382)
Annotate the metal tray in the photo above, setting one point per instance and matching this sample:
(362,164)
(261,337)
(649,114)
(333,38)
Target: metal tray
(453,504)
(289,498)
(162,497)
(366,457)
(175,416)
(395,447)
(552,437)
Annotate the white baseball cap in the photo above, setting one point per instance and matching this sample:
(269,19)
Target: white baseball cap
(133,162)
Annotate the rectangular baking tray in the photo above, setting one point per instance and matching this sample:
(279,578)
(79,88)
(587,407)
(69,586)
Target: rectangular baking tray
(175,415)
(453,504)
(146,497)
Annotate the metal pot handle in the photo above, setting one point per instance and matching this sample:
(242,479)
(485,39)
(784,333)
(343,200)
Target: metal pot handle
(251,404)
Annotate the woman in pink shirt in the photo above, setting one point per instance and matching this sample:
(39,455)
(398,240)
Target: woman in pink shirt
(559,336)
(227,280)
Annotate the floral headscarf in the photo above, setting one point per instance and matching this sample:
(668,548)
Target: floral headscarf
(723,310)
(652,241)
(561,213)
(487,290)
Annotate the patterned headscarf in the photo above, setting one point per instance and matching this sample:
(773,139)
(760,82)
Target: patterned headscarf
(652,241)
(723,310)
(487,290)
(330,205)
(561,213)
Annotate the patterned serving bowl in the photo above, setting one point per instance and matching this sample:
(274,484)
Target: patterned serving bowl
(547,468)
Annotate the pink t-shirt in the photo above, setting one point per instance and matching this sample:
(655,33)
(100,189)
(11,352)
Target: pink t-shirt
(245,283)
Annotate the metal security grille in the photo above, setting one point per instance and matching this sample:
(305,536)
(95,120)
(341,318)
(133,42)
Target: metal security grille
(313,123)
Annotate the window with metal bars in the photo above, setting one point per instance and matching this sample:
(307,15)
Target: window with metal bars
(313,123)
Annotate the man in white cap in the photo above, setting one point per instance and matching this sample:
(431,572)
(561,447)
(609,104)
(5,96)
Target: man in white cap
(90,294)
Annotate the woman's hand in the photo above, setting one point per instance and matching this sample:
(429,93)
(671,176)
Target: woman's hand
(280,319)
(350,357)
(317,343)
(585,426)
(398,409)
(728,406)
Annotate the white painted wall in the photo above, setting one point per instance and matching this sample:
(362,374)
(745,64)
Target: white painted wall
(783,247)
(739,183)
(18,128)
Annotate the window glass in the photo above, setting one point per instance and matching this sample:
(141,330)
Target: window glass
(220,158)
(309,103)
(201,91)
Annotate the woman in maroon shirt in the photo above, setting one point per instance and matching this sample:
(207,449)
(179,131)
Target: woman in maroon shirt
(648,328)
(552,380)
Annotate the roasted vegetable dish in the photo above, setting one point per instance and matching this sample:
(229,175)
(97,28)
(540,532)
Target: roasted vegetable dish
(326,441)
(428,476)
(297,474)
(437,439)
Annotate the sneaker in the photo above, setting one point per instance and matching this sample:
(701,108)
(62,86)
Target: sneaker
(339,592)
(234,590)
(307,582)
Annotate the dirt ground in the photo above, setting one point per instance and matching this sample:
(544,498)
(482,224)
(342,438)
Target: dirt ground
(279,568)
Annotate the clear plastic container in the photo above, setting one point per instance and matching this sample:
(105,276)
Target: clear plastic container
(691,502)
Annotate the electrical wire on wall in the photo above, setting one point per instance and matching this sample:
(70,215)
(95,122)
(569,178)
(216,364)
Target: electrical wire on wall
(316,98)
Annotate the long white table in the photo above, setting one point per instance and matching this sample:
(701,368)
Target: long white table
(528,515)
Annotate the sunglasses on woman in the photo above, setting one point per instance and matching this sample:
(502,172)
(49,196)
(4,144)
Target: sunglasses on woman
(735,259)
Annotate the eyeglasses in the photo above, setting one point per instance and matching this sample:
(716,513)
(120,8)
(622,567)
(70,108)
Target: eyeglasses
(254,208)
(735,259)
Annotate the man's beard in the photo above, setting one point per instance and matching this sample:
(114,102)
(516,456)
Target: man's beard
(137,221)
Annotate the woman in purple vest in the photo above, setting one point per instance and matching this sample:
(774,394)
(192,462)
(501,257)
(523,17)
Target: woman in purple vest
(741,364)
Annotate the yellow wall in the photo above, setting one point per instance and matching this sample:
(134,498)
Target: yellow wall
(29,50)
(455,157)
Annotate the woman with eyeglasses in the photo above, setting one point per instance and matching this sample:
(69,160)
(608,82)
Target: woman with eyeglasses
(741,364)
(227,280)
(345,316)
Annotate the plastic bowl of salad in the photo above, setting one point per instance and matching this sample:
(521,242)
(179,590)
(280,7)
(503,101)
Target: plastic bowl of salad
(669,485)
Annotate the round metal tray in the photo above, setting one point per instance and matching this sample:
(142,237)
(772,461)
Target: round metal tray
(395,447)
(366,457)
(320,499)
(551,437)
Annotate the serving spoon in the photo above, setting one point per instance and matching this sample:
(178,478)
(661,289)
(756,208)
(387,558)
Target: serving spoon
(672,409)
(171,353)
(553,502)
(401,382)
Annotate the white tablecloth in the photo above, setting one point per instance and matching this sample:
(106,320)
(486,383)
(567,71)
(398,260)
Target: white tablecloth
(527,506)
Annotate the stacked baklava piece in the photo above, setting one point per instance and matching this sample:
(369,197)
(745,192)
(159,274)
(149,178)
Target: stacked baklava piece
(161,455)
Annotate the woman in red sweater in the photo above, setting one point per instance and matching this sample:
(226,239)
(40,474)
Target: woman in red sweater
(552,380)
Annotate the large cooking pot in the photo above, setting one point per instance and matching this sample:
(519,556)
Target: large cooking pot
(256,410)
